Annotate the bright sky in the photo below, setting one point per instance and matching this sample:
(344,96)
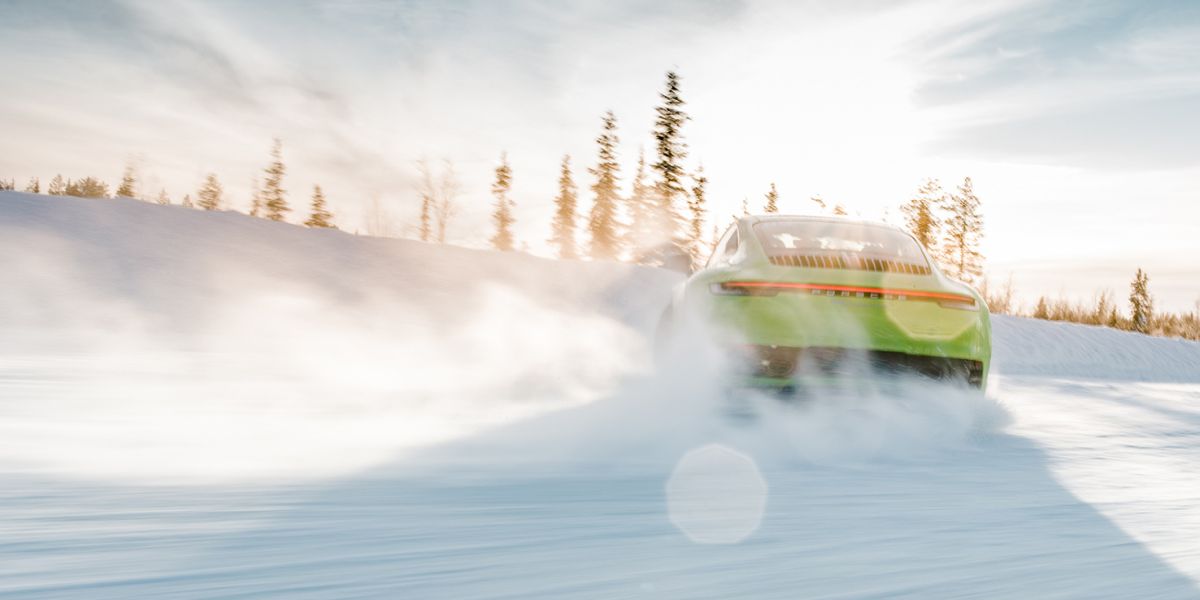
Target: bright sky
(1077,121)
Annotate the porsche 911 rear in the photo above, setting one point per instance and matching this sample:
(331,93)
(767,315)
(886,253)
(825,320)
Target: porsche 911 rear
(796,297)
(784,329)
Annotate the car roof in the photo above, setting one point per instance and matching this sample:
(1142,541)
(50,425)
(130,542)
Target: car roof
(753,219)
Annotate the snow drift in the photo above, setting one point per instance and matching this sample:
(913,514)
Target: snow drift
(306,352)
(238,347)
(196,404)
(1030,347)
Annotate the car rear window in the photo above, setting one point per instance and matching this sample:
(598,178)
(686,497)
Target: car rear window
(838,239)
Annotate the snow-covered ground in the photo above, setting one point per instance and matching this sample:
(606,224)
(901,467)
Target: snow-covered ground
(207,405)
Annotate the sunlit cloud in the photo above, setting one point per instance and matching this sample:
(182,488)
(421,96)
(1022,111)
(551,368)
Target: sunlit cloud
(1051,107)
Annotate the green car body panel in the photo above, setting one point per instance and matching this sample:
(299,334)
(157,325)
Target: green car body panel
(921,313)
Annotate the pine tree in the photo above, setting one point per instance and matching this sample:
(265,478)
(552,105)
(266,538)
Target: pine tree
(34,186)
(963,232)
(839,210)
(503,217)
(563,227)
(819,202)
(58,187)
(696,211)
(1141,305)
(603,226)
(88,187)
(745,206)
(1114,318)
(670,153)
(187,201)
(320,216)
(274,196)
(210,194)
(128,187)
(426,231)
(256,198)
(163,198)
(919,216)
(641,209)
(1043,310)
(1104,308)
(772,205)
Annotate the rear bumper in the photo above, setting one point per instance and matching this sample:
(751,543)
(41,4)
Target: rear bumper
(778,366)
(789,336)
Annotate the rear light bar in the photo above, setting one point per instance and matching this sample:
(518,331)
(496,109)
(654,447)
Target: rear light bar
(771,288)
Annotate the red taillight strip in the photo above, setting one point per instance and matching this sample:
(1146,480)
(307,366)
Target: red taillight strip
(848,288)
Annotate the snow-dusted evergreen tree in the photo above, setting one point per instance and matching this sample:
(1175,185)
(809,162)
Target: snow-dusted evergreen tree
(210,196)
(820,202)
(187,201)
(319,215)
(919,215)
(963,232)
(670,152)
(603,224)
(34,186)
(697,208)
(772,205)
(745,206)
(1114,319)
(641,206)
(256,198)
(426,228)
(502,216)
(839,210)
(1141,304)
(1104,309)
(163,198)
(274,197)
(129,184)
(562,228)
(88,187)
(1042,311)
(429,200)
(58,187)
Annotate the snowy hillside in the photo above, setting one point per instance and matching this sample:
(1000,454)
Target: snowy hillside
(208,405)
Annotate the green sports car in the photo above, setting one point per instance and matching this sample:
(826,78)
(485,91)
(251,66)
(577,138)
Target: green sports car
(818,297)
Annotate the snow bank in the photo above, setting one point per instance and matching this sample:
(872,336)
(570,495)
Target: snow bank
(1025,347)
(236,346)
(387,418)
(172,264)
(318,352)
